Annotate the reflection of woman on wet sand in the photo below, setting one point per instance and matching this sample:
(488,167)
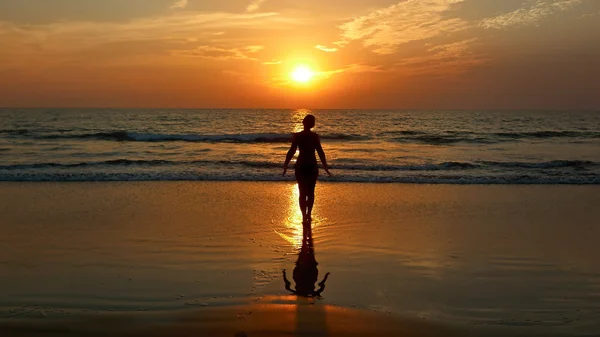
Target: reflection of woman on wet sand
(306,273)
(306,168)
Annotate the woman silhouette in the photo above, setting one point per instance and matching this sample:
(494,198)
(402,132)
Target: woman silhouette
(306,169)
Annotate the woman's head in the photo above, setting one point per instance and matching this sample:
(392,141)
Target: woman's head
(309,122)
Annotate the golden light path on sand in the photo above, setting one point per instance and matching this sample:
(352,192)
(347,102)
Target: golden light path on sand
(293,223)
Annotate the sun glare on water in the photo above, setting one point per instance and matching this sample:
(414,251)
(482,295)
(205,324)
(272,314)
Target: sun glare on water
(302,74)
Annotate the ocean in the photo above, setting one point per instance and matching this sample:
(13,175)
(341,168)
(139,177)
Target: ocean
(449,147)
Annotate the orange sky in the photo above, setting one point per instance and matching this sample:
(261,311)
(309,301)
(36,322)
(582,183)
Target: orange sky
(425,54)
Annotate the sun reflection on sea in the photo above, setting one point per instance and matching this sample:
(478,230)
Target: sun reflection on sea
(297,117)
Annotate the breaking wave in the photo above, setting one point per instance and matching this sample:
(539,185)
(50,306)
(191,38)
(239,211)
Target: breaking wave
(125,136)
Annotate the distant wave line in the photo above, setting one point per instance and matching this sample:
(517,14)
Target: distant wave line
(455,179)
(404,136)
(451,137)
(123,136)
(444,166)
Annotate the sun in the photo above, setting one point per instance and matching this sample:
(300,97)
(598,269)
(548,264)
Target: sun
(302,74)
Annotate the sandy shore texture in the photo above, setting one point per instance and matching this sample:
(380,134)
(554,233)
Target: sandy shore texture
(250,320)
(206,259)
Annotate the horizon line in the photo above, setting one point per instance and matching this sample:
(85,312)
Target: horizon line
(311,109)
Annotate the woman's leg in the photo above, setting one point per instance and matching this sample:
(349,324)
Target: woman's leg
(306,188)
(310,192)
(310,199)
(302,201)
(302,195)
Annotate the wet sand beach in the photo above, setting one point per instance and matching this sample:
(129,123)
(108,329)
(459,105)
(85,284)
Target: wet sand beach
(206,258)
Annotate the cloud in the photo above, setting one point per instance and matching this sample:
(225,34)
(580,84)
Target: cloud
(385,29)
(530,14)
(181,27)
(179,4)
(221,53)
(254,49)
(352,68)
(448,39)
(458,47)
(326,49)
(410,20)
(255,5)
(589,15)
(451,58)
(269,63)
